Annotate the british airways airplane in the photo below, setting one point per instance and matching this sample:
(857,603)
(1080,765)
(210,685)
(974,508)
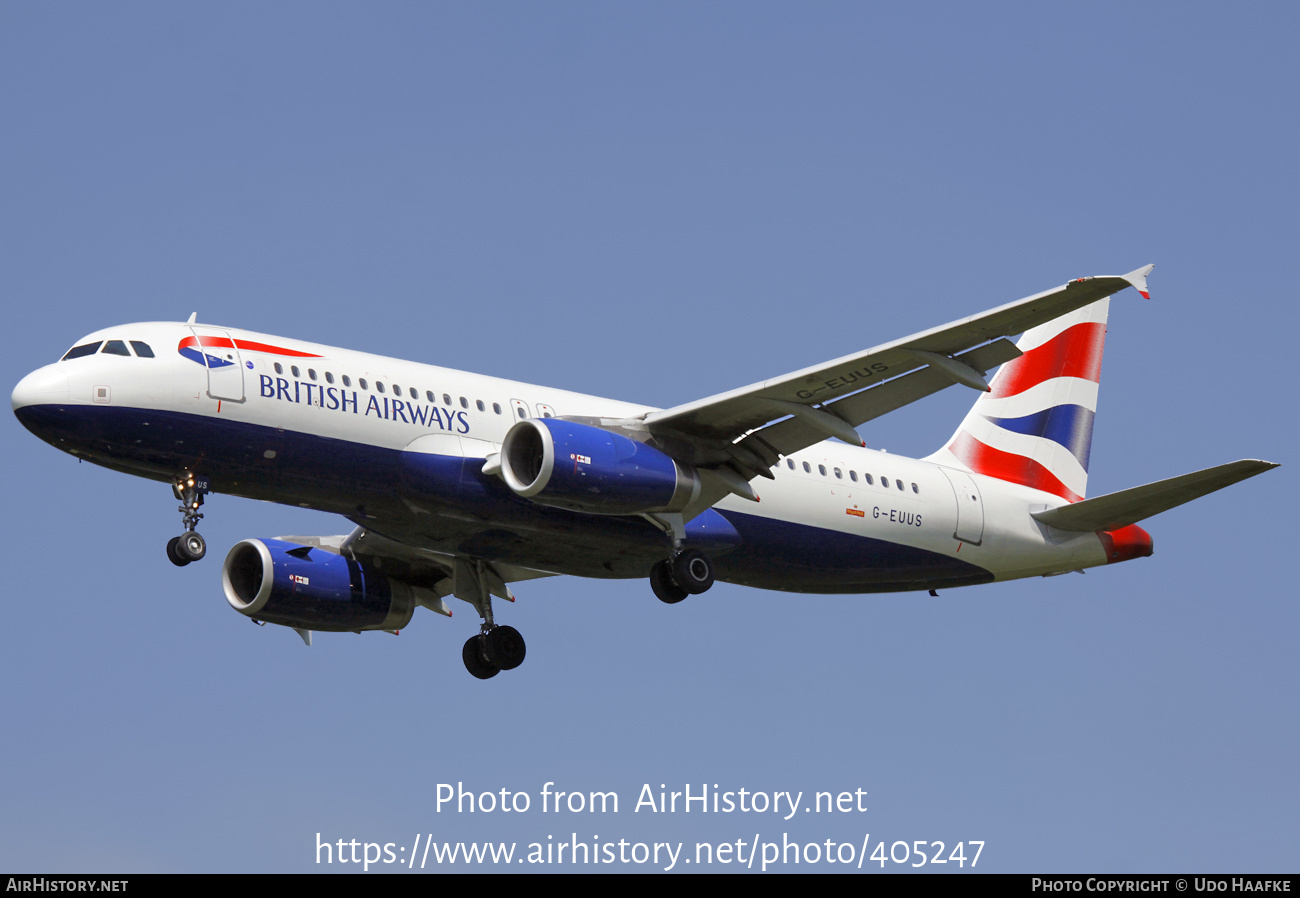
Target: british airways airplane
(460,484)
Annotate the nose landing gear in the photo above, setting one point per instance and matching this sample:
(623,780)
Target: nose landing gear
(189,546)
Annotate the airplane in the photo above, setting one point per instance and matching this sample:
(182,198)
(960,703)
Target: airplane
(459,485)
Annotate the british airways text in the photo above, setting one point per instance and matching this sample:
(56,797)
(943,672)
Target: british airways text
(335,399)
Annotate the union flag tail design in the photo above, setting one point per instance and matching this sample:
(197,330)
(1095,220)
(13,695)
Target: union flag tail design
(1035,426)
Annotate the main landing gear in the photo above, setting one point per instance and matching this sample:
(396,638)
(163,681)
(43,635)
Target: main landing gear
(189,546)
(495,648)
(687,573)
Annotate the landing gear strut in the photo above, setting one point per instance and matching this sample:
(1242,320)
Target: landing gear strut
(495,648)
(189,546)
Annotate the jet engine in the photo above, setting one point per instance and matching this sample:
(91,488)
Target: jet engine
(565,464)
(313,589)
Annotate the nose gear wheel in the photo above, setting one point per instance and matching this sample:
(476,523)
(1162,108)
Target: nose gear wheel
(189,546)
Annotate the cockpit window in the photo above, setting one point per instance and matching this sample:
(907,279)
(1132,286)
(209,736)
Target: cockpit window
(142,349)
(116,347)
(77,352)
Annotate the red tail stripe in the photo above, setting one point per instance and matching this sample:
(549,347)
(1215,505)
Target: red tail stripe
(1074,352)
(984,459)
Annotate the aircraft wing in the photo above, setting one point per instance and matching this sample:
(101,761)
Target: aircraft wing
(736,429)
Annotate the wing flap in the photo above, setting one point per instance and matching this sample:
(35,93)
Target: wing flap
(1115,510)
(794,434)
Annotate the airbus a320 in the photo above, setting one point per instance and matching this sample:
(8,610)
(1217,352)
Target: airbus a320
(459,485)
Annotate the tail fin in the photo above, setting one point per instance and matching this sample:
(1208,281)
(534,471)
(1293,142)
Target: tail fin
(1035,426)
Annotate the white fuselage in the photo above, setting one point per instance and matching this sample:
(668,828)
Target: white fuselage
(254,401)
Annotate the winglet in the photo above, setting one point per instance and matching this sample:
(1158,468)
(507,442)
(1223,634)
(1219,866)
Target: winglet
(1138,279)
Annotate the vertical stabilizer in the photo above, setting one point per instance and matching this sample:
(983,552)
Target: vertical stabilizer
(1035,426)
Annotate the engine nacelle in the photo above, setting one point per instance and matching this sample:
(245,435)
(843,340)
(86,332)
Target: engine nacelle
(582,468)
(299,586)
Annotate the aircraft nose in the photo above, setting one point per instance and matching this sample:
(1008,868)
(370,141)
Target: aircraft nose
(42,387)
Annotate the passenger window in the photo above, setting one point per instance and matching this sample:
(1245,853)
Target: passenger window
(481,406)
(428,394)
(899,484)
(311,372)
(807,468)
(361,382)
(789,463)
(446,399)
(884,481)
(379,385)
(397,391)
(294,369)
(871,481)
(279,369)
(116,347)
(329,378)
(464,403)
(496,407)
(853,475)
(347,381)
(915,490)
(822,469)
(142,349)
(838,475)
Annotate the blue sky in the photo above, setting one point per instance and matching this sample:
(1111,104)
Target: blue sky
(657,202)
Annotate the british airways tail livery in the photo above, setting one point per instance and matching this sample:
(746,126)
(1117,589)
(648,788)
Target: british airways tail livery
(461,484)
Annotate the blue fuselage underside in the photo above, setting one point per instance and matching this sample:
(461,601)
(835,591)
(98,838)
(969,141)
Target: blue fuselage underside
(446,504)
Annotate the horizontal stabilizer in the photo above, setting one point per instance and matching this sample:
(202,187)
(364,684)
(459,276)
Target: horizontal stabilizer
(1115,510)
